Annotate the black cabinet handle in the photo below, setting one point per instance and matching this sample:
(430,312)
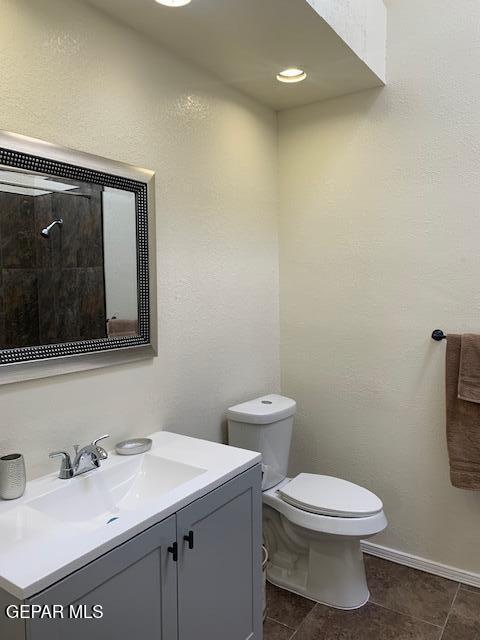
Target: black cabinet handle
(189,539)
(174,551)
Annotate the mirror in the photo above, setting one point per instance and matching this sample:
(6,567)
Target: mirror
(74,254)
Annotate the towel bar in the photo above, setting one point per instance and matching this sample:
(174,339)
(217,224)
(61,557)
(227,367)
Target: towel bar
(438,335)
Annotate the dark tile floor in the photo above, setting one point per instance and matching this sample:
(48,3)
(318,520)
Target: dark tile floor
(405,604)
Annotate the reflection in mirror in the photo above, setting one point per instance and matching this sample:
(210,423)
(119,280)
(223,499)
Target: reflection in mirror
(68,260)
(120,262)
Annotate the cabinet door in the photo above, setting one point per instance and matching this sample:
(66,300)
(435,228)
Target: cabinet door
(219,579)
(136,584)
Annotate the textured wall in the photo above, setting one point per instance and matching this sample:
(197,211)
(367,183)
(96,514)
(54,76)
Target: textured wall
(361,24)
(72,76)
(380,230)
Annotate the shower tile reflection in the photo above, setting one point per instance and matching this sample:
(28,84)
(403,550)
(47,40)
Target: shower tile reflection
(52,290)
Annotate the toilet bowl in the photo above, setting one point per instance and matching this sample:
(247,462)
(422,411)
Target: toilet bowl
(318,555)
(312,524)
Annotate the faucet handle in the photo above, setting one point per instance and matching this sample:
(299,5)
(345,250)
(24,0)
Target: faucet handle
(100,438)
(57,454)
(102,454)
(66,470)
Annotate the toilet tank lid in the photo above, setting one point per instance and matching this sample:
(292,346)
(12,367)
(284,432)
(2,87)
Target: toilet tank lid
(263,410)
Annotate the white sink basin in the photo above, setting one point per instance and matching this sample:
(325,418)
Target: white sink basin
(99,497)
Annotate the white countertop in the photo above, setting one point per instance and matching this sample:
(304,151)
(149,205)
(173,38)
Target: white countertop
(36,549)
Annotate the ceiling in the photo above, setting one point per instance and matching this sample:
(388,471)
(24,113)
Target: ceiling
(245,43)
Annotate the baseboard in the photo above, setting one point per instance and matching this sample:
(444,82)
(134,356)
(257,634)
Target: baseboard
(409,560)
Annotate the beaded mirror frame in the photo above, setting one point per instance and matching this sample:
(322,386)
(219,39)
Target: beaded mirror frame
(37,156)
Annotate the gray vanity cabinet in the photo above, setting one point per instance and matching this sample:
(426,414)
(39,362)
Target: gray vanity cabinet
(219,563)
(194,576)
(136,584)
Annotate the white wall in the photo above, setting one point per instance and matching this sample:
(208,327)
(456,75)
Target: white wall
(72,76)
(362,25)
(380,229)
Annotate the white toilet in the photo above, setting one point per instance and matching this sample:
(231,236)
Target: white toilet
(312,524)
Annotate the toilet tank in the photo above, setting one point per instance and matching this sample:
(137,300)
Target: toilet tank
(264,425)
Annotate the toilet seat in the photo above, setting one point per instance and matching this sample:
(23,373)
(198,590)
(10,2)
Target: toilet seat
(334,525)
(329,496)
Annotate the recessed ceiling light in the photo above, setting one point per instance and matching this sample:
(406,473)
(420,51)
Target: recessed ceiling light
(173,3)
(292,74)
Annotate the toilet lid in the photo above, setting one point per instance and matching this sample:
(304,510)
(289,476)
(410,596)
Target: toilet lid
(330,496)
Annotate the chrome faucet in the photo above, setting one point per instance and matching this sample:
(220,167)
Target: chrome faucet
(86,459)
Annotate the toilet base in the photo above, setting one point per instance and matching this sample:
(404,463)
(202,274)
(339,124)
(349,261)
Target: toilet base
(325,568)
(287,587)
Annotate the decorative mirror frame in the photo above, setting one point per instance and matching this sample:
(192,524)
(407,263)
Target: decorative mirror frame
(40,361)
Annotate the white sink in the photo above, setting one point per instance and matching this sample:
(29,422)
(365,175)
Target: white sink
(60,525)
(99,497)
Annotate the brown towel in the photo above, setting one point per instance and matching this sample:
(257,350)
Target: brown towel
(463,424)
(469,375)
(117,328)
